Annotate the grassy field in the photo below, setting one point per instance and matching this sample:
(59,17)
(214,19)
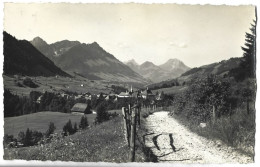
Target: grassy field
(40,121)
(104,142)
(171,90)
(53,84)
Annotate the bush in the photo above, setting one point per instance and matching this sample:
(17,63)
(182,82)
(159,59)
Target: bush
(29,138)
(8,139)
(28,82)
(50,129)
(83,122)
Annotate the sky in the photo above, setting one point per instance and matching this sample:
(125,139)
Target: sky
(194,34)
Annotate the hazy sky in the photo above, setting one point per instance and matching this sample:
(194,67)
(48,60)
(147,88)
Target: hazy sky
(195,34)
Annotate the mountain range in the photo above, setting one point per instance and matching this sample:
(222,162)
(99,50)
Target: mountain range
(21,57)
(88,60)
(171,69)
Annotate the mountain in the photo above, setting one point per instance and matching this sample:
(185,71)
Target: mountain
(175,66)
(153,72)
(55,49)
(133,65)
(93,62)
(88,60)
(21,57)
(171,69)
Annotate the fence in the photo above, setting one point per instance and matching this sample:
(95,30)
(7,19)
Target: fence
(131,116)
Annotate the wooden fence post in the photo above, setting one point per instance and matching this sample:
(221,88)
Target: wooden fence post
(126,128)
(138,115)
(133,133)
(213,115)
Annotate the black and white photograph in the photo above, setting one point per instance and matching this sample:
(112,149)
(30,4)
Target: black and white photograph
(129,82)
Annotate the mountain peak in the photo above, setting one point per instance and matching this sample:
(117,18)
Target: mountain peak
(132,61)
(38,41)
(95,44)
(172,64)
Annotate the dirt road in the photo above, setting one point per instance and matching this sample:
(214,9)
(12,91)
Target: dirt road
(172,142)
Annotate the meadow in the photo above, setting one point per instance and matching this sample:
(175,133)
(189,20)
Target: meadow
(103,142)
(40,121)
(55,84)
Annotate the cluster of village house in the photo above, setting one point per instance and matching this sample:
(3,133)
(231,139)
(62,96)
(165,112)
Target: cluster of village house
(83,107)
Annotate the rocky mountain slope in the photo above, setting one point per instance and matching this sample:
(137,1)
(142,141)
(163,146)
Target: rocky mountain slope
(88,60)
(53,50)
(21,57)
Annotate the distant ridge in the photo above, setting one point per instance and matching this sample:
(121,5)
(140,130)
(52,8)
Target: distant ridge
(171,69)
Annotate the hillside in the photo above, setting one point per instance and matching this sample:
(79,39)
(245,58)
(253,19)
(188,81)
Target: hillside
(101,142)
(171,69)
(219,69)
(21,57)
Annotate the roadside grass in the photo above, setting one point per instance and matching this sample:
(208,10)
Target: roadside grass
(40,121)
(237,131)
(104,142)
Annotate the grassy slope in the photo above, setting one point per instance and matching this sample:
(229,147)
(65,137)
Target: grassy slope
(40,121)
(104,142)
(171,90)
(52,84)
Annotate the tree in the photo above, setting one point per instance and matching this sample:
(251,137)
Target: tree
(68,129)
(247,67)
(50,129)
(102,114)
(75,129)
(83,122)
(28,138)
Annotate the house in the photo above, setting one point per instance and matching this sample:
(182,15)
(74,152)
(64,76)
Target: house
(147,94)
(136,94)
(124,95)
(39,100)
(88,96)
(159,97)
(81,108)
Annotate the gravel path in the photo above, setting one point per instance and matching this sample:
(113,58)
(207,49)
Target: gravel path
(172,142)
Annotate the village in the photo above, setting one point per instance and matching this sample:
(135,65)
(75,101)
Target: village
(83,100)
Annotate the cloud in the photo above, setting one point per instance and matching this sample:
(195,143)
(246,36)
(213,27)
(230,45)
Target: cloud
(179,45)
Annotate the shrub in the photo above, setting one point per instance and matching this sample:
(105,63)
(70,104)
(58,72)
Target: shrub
(8,139)
(29,138)
(83,122)
(36,137)
(28,82)
(50,130)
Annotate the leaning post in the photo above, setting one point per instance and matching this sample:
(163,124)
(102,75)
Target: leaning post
(133,133)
